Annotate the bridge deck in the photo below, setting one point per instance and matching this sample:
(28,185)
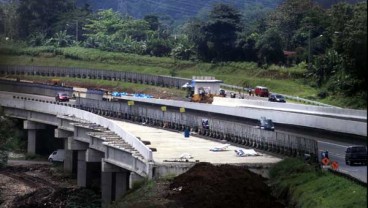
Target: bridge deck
(170,145)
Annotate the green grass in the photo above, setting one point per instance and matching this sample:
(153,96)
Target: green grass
(138,195)
(278,79)
(307,186)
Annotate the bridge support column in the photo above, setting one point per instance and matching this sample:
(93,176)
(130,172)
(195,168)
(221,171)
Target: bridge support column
(68,157)
(89,166)
(32,128)
(72,147)
(114,183)
(82,169)
(134,178)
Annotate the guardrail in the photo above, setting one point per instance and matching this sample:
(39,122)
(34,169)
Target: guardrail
(346,175)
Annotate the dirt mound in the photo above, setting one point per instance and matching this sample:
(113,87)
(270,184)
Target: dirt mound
(206,185)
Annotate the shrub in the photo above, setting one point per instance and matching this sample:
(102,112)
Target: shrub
(3,158)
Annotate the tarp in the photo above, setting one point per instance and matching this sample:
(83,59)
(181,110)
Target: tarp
(246,152)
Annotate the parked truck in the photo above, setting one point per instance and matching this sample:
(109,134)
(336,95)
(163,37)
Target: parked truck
(261,91)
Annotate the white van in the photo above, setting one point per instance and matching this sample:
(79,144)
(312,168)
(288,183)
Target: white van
(57,155)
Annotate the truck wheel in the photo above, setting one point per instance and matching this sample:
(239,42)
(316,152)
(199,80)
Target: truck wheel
(51,160)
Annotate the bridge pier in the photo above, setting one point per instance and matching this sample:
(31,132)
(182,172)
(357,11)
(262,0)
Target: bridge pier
(89,166)
(71,147)
(134,178)
(114,183)
(68,155)
(32,128)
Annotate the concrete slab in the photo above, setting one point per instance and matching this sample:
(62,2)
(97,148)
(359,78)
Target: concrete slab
(171,145)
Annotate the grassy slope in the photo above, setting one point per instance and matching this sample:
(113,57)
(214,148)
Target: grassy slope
(307,187)
(277,79)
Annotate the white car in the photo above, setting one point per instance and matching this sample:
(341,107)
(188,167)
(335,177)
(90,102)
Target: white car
(57,156)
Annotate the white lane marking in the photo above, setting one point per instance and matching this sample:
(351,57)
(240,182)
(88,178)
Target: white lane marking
(333,144)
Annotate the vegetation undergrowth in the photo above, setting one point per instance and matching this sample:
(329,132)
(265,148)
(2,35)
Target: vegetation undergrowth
(306,186)
(138,195)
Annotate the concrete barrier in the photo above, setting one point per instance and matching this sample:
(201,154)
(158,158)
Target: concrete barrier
(289,106)
(336,120)
(159,80)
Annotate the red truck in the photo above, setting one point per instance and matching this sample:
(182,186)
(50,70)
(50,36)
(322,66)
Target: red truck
(261,91)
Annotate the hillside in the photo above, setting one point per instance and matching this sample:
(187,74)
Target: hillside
(179,10)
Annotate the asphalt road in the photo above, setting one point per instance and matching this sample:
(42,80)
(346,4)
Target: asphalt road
(336,152)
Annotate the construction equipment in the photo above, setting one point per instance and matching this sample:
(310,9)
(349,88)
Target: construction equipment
(222,93)
(55,82)
(202,89)
(203,96)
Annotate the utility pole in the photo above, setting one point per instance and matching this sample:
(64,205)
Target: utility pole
(76,31)
(123,7)
(309,49)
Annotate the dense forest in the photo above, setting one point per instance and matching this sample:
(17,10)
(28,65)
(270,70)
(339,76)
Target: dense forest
(330,39)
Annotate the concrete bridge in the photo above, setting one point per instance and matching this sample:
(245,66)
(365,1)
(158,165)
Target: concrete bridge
(102,153)
(94,150)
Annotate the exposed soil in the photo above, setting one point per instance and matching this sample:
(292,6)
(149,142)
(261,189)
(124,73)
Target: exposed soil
(206,185)
(203,186)
(33,185)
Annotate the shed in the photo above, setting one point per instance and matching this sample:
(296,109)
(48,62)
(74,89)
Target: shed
(209,84)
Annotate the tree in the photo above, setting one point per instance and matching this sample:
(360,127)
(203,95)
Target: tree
(288,19)
(10,140)
(158,47)
(355,42)
(221,32)
(9,19)
(152,21)
(270,47)
(253,18)
(41,15)
(194,30)
(183,48)
(109,31)
(60,39)
(247,46)
(216,38)
(73,21)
